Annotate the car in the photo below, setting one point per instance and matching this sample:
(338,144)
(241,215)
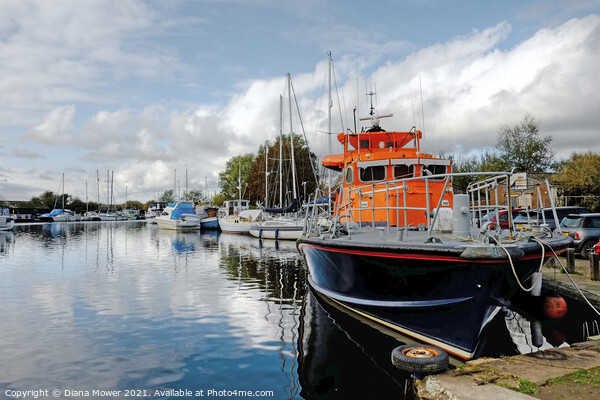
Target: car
(503,216)
(545,215)
(584,229)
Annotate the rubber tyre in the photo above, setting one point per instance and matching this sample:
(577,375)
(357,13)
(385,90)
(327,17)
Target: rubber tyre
(421,359)
(587,248)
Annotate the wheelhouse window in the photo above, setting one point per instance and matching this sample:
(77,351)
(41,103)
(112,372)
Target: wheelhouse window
(350,175)
(435,170)
(372,174)
(403,171)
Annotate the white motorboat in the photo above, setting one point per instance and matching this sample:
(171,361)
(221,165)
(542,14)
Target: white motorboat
(178,216)
(154,210)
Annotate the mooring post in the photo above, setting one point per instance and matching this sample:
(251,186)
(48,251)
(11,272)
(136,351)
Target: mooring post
(594,268)
(571,260)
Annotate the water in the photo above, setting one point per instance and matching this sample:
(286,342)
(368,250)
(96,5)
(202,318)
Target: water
(125,306)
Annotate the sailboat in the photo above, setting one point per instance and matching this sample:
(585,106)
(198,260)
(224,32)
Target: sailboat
(236,216)
(284,223)
(110,214)
(60,214)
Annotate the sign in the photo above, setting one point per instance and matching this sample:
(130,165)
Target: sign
(518,181)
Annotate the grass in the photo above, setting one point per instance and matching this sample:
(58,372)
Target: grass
(525,387)
(584,376)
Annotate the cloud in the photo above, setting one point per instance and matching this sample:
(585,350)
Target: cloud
(26,153)
(55,128)
(79,52)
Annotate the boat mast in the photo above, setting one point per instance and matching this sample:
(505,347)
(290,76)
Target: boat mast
(107,191)
(292,136)
(98,189)
(280,151)
(240,185)
(267,174)
(329,105)
(63,193)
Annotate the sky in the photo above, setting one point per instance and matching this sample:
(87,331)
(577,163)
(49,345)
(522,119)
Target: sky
(160,94)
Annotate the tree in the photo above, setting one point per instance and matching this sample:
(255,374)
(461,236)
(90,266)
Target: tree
(168,196)
(48,198)
(194,196)
(487,162)
(229,178)
(580,177)
(304,172)
(522,148)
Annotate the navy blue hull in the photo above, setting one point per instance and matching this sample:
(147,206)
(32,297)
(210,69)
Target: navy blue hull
(440,299)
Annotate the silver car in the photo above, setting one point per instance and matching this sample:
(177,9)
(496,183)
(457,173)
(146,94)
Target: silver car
(584,229)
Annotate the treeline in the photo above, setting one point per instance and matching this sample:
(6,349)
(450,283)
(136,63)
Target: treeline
(521,147)
(259,174)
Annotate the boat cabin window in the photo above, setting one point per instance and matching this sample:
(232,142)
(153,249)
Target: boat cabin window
(372,174)
(350,176)
(435,170)
(403,171)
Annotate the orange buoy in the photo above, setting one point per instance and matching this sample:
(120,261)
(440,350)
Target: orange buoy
(555,306)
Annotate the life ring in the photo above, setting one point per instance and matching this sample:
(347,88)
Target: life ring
(420,359)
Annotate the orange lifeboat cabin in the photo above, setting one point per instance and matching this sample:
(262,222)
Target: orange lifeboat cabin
(385,178)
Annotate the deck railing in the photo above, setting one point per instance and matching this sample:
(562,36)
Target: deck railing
(484,197)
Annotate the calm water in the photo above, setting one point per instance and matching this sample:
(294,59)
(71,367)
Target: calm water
(125,306)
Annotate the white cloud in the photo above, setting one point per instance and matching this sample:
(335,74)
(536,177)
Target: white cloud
(55,128)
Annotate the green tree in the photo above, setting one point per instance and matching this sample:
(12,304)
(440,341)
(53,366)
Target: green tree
(168,196)
(48,198)
(229,178)
(304,171)
(522,148)
(580,177)
(488,161)
(193,195)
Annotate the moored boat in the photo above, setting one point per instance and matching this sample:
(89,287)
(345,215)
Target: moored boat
(154,210)
(240,223)
(7,221)
(179,216)
(280,228)
(400,249)
(208,217)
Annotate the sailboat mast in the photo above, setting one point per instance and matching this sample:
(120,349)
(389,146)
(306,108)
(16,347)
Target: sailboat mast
(98,189)
(107,191)
(240,185)
(280,151)
(292,137)
(63,187)
(329,105)
(267,174)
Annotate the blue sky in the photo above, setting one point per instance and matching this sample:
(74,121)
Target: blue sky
(145,88)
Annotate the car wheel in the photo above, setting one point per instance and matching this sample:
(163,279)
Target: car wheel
(587,248)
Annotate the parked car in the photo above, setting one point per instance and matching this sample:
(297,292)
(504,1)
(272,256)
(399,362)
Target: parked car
(584,229)
(503,216)
(537,218)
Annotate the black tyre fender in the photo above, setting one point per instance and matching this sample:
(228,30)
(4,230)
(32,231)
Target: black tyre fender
(587,248)
(423,359)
